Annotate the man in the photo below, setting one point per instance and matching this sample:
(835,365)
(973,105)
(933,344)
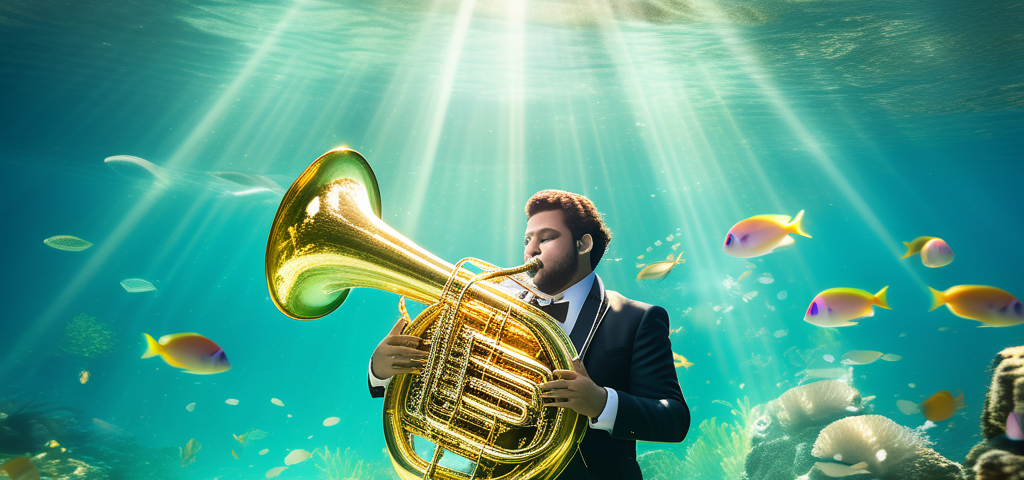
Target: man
(626,381)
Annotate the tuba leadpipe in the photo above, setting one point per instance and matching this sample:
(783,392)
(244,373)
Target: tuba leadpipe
(477,394)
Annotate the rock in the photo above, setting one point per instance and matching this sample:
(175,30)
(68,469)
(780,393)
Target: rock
(999,465)
(1005,394)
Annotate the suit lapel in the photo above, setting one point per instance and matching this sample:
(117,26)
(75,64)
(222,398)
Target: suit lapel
(585,320)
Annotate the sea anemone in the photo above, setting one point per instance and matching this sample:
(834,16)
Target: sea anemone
(873,439)
(806,405)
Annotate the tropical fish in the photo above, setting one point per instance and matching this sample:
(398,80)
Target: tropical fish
(761,235)
(1014,428)
(277,402)
(914,246)
(137,285)
(67,243)
(83,377)
(840,470)
(864,357)
(188,454)
(21,468)
(836,307)
(942,405)
(296,456)
(192,352)
(658,270)
(331,421)
(681,361)
(991,306)
(907,407)
(936,253)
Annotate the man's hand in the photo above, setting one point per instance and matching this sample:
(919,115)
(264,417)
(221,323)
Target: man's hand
(575,390)
(398,353)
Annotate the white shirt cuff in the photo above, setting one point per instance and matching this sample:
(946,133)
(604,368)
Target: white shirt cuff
(376,382)
(606,420)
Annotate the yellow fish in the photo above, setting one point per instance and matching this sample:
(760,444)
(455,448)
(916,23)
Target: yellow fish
(21,468)
(762,234)
(192,352)
(991,306)
(836,307)
(942,405)
(914,246)
(83,377)
(681,361)
(233,454)
(658,270)
(864,357)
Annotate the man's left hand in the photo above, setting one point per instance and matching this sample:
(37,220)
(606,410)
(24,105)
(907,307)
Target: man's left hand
(575,390)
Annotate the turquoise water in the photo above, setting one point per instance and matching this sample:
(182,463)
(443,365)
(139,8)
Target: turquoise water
(884,121)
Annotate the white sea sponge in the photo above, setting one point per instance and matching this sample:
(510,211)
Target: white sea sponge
(802,406)
(874,439)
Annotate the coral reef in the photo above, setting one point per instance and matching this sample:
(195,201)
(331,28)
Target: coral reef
(338,465)
(891,451)
(86,336)
(997,456)
(807,405)
(718,453)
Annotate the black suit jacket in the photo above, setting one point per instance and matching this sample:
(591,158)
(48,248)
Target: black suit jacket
(630,352)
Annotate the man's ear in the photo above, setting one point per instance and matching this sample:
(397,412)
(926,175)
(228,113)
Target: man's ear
(585,244)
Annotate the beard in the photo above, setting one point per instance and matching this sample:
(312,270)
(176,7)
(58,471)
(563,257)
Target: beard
(556,274)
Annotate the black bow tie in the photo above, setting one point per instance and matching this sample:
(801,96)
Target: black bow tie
(558,311)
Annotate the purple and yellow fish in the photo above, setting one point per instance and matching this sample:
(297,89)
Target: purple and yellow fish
(762,234)
(192,352)
(989,305)
(836,307)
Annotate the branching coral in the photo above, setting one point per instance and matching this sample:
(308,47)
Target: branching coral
(806,405)
(721,449)
(88,337)
(338,465)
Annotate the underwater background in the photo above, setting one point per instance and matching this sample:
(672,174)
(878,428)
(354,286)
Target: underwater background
(884,121)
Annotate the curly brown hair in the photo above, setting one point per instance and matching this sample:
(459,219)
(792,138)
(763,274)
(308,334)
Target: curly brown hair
(581,217)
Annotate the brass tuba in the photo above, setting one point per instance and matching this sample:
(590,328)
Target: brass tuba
(477,395)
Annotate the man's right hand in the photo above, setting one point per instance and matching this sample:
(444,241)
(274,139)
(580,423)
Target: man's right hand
(398,353)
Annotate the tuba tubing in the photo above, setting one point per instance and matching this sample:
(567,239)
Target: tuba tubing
(477,395)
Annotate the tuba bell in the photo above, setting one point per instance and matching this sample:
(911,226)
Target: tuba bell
(477,395)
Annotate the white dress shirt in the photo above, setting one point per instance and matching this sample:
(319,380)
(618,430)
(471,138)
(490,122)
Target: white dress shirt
(576,295)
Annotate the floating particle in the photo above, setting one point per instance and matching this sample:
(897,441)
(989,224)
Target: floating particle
(829,358)
(782,295)
(273,472)
(289,415)
(277,402)
(231,401)
(331,421)
(137,285)
(192,406)
(650,248)
(907,407)
(742,385)
(670,237)
(83,377)
(943,329)
(296,456)
(67,243)
(657,243)
(769,306)
(264,451)
(53,444)
(749,296)
(744,275)
(903,335)
(724,308)
(912,385)
(234,454)
(309,437)
(781,333)
(766,279)
(641,257)
(675,246)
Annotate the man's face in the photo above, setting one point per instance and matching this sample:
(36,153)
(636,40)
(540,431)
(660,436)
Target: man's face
(548,239)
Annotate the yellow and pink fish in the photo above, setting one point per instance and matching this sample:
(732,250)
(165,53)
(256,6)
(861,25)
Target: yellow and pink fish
(991,306)
(838,307)
(192,352)
(762,234)
(935,252)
